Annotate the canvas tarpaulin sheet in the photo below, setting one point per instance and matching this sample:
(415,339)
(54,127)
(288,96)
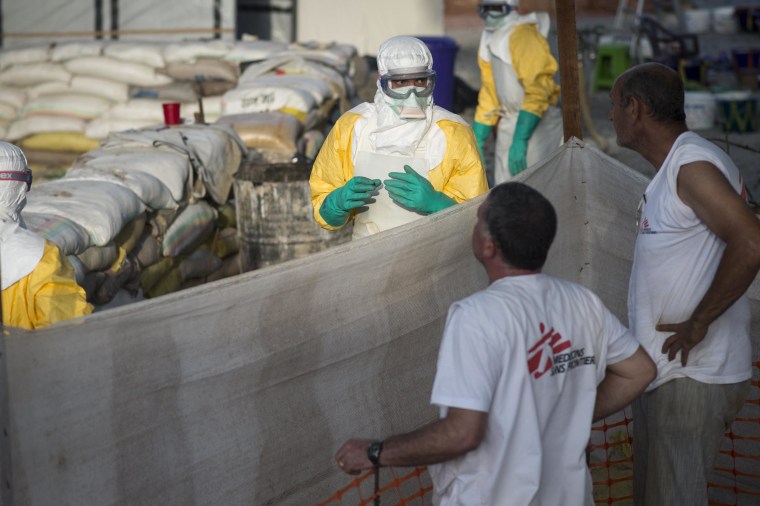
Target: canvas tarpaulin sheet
(240,391)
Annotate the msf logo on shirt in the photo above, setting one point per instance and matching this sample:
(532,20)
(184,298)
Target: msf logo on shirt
(643,225)
(541,355)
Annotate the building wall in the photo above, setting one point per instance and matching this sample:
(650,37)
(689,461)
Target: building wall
(367,23)
(465,7)
(45,21)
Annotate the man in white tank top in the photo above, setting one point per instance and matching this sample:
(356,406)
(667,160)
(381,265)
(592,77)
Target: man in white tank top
(697,252)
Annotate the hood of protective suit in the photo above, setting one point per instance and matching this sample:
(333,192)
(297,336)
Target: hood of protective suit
(20,250)
(402,55)
(493,21)
(503,23)
(12,189)
(497,37)
(394,134)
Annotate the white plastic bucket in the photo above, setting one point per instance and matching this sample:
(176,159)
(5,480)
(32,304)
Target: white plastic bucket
(698,20)
(724,20)
(700,108)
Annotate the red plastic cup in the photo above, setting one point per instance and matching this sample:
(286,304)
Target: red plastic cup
(171,113)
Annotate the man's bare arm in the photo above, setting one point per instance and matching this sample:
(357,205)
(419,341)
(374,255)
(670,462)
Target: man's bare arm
(460,432)
(623,382)
(703,187)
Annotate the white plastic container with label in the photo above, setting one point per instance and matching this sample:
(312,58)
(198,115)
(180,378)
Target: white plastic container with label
(700,107)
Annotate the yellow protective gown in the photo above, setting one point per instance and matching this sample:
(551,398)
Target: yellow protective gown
(48,294)
(460,175)
(517,73)
(534,66)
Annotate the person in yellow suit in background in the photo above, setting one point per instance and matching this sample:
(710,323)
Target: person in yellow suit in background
(518,90)
(399,158)
(38,284)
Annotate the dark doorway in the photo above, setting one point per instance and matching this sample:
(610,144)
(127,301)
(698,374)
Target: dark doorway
(267,19)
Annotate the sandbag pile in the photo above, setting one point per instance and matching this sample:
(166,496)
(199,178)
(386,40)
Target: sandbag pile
(71,96)
(310,83)
(147,213)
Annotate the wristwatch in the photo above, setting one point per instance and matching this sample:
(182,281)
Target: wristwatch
(373,452)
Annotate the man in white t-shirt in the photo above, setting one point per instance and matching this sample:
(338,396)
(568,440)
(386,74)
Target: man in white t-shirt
(697,252)
(524,368)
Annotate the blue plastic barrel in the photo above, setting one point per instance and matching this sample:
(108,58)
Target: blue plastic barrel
(444,51)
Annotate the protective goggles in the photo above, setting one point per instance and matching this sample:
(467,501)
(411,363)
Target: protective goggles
(495,10)
(23,176)
(401,86)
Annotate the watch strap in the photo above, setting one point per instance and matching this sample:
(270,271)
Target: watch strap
(374,450)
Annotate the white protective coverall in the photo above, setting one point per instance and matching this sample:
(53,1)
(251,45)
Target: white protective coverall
(517,72)
(373,139)
(38,284)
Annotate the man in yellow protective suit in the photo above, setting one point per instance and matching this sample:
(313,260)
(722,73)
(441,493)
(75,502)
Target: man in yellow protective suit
(38,284)
(518,89)
(399,158)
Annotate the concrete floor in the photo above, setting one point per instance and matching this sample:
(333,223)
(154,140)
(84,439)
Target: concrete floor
(466,30)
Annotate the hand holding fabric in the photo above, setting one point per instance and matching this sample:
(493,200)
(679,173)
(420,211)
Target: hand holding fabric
(481,131)
(415,192)
(337,207)
(518,151)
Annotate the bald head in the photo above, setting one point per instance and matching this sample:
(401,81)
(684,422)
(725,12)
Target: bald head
(658,86)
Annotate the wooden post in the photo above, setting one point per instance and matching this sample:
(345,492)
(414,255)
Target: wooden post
(567,41)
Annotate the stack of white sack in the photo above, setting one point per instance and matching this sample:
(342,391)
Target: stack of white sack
(77,93)
(71,96)
(130,64)
(305,82)
(11,102)
(196,72)
(23,70)
(69,85)
(147,213)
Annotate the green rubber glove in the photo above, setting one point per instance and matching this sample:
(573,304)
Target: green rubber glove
(482,131)
(518,151)
(336,208)
(415,192)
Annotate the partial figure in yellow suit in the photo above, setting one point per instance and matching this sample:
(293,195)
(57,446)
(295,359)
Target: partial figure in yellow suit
(518,90)
(399,158)
(38,284)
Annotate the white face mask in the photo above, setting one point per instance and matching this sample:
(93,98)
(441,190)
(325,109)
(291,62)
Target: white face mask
(412,107)
(12,200)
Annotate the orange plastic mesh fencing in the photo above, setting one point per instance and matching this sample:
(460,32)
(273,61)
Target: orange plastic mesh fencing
(385,486)
(735,480)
